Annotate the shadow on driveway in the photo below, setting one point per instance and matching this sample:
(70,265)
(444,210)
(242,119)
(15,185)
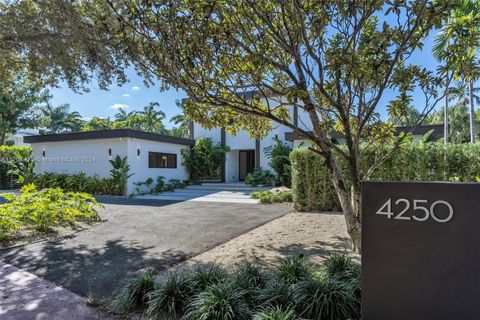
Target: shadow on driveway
(136,235)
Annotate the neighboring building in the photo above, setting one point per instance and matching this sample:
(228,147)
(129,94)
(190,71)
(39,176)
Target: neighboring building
(16,139)
(417,132)
(149,155)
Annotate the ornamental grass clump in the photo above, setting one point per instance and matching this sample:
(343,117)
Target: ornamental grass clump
(170,297)
(134,296)
(326,299)
(35,210)
(292,270)
(291,290)
(276,313)
(222,301)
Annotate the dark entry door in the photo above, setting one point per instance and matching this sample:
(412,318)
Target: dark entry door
(246,163)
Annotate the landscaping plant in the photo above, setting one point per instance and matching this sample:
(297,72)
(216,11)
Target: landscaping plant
(260,177)
(267,196)
(120,173)
(78,182)
(279,156)
(135,294)
(293,289)
(170,297)
(222,301)
(205,161)
(43,210)
(276,313)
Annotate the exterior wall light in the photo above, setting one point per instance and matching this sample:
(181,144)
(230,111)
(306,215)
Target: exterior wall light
(43,153)
(138,152)
(109,152)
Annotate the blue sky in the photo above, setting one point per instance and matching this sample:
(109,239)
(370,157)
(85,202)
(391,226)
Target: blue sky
(134,94)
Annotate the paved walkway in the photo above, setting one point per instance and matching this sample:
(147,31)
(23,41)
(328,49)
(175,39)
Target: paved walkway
(210,192)
(26,296)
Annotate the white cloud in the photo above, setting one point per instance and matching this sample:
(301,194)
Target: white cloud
(136,88)
(118,106)
(126,95)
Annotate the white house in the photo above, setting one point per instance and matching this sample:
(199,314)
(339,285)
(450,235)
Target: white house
(16,139)
(149,155)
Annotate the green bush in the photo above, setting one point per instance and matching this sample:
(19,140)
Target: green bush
(205,161)
(223,301)
(313,189)
(267,196)
(170,297)
(292,270)
(135,294)
(17,161)
(278,154)
(260,177)
(276,313)
(292,289)
(44,210)
(79,182)
(326,299)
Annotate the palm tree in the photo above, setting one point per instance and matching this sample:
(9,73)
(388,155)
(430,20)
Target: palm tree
(457,44)
(152,119)
(121,115)
(59,118)
(182,122)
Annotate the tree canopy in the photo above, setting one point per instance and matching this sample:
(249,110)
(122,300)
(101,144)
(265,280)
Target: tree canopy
(59,40)
(334,60)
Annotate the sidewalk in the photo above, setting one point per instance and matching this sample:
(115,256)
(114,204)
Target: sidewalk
(26,296)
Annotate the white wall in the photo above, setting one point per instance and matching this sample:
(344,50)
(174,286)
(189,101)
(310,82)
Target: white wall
(200,132)
(89,156)
(139,165)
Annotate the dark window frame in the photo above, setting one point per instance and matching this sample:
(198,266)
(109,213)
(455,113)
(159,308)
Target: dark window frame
(157,162)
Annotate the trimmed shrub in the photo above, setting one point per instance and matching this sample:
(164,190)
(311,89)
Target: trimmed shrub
(313,189)
(260,177)
(134,295)
(326,299)
(79,182)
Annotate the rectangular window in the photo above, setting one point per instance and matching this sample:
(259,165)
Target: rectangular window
(162,160)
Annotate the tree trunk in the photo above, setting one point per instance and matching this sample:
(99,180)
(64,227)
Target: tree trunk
(473,129)
(350,201)
(445,119)
(2,139)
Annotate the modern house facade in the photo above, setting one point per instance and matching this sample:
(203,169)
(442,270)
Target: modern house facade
(149,155)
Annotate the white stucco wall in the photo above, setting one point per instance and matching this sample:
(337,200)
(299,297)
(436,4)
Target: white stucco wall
(91,157)
(201,132)
(139,164)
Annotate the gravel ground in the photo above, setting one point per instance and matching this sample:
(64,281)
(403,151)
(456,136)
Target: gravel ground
(315,235)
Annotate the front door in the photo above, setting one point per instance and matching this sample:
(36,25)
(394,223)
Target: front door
(246,163)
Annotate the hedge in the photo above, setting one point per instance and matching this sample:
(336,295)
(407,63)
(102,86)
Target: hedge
(313,189)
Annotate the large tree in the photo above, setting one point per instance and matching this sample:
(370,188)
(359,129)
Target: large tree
(17,97)
(57,40)
(334,60)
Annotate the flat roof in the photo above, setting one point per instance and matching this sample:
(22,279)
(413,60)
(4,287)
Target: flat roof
(108,134)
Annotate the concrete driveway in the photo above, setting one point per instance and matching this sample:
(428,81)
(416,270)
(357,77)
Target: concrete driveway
(137,234)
